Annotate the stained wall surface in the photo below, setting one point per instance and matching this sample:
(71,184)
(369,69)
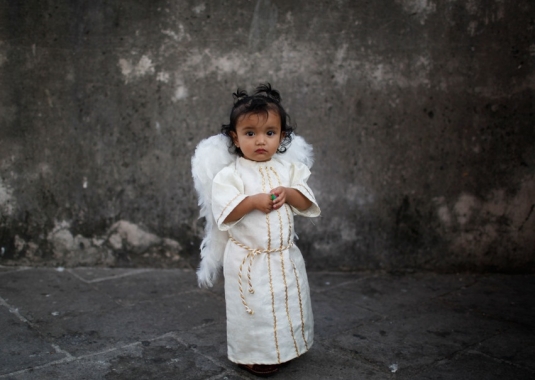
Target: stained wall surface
(421,113)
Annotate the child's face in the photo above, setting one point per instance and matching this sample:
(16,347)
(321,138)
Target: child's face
(258,136)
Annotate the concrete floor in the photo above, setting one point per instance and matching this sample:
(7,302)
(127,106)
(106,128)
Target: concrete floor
(95,323)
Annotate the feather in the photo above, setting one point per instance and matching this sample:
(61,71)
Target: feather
(298,151)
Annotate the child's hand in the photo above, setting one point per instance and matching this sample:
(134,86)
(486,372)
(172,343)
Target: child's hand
(262,202)
(280,194)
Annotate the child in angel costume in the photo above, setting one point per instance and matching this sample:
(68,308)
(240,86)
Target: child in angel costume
(251,182)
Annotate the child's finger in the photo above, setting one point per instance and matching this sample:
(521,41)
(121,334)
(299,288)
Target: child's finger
(276,191)
(278,202)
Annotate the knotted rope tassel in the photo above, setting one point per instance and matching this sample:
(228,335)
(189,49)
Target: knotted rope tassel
(252,253)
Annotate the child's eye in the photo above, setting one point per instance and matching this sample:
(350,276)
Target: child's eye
(249,133)
(271,133)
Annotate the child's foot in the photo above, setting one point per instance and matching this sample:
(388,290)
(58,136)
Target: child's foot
(260,369)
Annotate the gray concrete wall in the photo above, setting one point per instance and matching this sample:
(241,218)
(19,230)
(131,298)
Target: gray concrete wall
(421,113)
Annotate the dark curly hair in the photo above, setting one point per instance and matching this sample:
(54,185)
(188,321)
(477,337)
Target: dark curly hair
(264,99)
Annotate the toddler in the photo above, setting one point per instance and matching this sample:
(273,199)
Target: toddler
(253,200)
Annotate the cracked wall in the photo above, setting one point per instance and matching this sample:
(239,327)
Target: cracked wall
(421,114)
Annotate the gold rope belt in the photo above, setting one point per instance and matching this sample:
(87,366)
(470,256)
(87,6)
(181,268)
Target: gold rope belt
(252,253)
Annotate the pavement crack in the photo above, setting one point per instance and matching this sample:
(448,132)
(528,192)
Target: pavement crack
(12,269)
(168,296)
(15,311)
(59,350)
(208,325)
(108,278)
(452,355)
(34,368)
(213,294)
(69,358)
(465,286)
(501,361)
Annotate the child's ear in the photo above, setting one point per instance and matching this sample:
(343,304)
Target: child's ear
(234,138)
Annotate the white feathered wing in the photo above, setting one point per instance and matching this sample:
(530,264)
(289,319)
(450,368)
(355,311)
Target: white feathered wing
(211,156)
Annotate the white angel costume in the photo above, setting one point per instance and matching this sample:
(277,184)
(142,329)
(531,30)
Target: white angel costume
(269,315)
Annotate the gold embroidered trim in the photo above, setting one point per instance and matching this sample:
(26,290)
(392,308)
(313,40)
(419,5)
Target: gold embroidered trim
(287,304)
(306,189)
(270,275)
(273,310)
(300,304)
(278,211)
(286,301)
(267,215)
(286,208)
(228,204)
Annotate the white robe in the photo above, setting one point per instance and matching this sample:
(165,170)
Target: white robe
(269,315)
